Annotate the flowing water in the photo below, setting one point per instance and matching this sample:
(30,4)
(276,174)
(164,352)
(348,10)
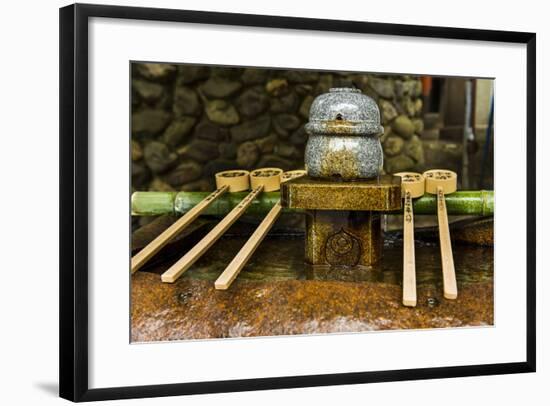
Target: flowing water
(281,258)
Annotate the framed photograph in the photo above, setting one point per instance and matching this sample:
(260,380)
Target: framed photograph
(255,202)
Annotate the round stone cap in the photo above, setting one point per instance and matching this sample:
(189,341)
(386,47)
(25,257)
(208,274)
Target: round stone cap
(344,111)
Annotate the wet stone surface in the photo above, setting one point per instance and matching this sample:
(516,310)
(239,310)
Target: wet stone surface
(193,309)
(277,294)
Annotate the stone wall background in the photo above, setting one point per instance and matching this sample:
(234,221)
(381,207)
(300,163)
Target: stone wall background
(191,121)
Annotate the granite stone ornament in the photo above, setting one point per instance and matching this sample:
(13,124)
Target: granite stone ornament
(344,130)
(343,193)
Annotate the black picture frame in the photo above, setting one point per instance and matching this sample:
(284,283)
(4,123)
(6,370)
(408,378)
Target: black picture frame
(73,277)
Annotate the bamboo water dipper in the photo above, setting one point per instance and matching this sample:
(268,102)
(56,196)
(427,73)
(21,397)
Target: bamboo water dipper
(412,186)
(232,181)
(441,182)
(237,264)
(265,179)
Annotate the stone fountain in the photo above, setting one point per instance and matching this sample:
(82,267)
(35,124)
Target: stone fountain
(343,193)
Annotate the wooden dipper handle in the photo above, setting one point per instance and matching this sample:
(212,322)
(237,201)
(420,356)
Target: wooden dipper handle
(412,185)
(237,264)
(185,262)
(232,181)
(265,179)
(409,267)
(442,182)
(449,278)
(162,239)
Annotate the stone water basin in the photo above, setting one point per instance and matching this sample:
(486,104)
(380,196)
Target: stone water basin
(277,294)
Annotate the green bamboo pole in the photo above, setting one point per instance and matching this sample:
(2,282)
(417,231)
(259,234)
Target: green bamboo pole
(155,203)
(472,202)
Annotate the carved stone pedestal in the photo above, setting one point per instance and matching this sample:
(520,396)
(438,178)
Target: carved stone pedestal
(343,218)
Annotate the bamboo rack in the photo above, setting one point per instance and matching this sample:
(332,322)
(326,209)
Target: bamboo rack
(472,202)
